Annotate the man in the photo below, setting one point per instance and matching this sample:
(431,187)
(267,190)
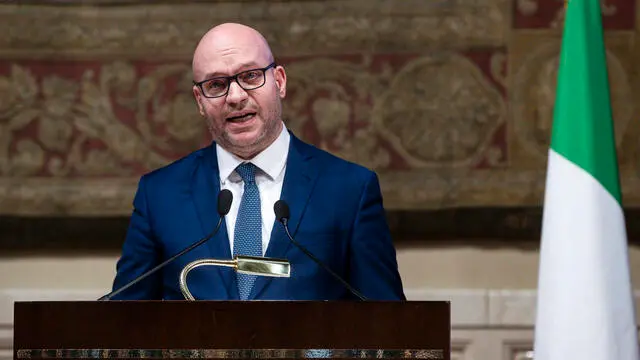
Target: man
(336,206)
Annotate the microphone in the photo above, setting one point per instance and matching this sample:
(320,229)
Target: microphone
(224,205)
(282,214)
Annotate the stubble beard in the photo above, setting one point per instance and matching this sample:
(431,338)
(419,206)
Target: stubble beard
(267,136)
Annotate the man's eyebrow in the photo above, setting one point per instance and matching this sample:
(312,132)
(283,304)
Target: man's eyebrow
(213,75)
(243,67)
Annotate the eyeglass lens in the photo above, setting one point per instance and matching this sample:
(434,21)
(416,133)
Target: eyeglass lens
(248,80)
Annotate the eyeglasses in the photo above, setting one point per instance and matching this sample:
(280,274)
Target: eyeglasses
(248,80)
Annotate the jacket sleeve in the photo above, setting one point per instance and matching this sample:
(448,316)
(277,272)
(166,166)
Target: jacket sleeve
(140,253)
(373,267)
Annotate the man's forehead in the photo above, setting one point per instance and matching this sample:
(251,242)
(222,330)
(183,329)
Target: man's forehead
(230,68)
(229,52)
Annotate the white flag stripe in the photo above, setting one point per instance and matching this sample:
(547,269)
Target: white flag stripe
(585,308)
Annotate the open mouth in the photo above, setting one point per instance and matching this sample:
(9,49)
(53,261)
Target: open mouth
(241,118)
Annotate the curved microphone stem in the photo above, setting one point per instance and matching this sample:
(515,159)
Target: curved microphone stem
(161,265)
(198,263)
(354,291)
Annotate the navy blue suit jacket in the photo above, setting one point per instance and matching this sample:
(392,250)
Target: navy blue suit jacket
(336,213)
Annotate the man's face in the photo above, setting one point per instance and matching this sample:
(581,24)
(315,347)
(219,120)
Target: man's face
(243,121)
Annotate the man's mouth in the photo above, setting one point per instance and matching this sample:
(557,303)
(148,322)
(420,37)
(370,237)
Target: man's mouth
(241,117)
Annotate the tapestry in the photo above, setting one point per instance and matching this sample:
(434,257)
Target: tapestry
(450,102)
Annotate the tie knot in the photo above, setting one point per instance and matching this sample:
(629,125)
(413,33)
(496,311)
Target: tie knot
(247,172)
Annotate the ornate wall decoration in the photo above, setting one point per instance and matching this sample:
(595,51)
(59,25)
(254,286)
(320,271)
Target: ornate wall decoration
(300,27)
(84,120)
(440,111)
(329,104)
(449,102)
(534,87)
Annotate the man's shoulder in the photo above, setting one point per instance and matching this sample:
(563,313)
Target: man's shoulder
(177,170)
(336,165)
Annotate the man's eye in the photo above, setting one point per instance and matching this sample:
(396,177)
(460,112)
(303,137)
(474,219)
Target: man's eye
(251,75)
(215,84)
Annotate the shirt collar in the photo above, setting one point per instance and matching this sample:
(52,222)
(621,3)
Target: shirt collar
(271,160)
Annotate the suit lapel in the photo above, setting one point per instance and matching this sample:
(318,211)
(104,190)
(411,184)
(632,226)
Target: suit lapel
(299,180)
(204,192)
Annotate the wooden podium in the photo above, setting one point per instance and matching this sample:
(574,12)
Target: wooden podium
(231,330)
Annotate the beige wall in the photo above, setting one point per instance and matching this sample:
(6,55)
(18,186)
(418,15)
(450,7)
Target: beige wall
(491,289)
(460,266)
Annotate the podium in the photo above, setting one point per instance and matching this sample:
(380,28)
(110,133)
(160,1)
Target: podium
(231,330)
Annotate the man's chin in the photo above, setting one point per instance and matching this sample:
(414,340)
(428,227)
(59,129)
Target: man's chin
(242,145)
(244,140)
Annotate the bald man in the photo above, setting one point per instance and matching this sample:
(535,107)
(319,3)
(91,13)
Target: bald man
(336,209)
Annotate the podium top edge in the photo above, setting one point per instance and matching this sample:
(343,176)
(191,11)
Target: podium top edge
(84,301)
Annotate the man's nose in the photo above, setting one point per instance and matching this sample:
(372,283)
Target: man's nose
(236,93)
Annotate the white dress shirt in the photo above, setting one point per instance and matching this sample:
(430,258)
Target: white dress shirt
(271,164)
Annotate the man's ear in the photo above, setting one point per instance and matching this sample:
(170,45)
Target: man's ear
(281,81)
(198,97)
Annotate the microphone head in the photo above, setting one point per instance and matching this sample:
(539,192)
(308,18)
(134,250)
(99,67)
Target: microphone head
(224,202)
(281,209)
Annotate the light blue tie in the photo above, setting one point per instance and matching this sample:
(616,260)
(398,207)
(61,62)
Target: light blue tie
(248,232)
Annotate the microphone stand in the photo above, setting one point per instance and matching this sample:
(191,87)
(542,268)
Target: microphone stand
(284,221)
(161,265)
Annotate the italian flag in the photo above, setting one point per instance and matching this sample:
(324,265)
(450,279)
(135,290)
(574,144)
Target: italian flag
(585,304)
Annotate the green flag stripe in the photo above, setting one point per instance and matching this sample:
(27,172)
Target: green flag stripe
(583,127)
